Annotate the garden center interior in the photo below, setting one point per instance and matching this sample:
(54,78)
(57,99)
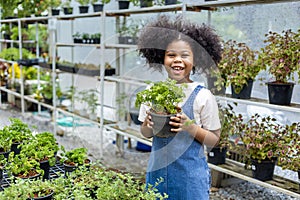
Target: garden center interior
(76,75)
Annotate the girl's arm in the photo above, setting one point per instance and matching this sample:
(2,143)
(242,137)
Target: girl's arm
(208,137)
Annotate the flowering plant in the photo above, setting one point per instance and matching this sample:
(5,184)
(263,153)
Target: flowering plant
(261,136)
(237,66)
(281,55)
(289,157)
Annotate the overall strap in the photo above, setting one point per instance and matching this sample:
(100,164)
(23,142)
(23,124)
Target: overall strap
(188,105)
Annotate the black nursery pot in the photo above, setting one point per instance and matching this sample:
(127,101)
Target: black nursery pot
(263,170)
(280,93)
(245,92)
(15,148)
(123,4)
(217,155)
(161,127)
(45,166)
(98,7)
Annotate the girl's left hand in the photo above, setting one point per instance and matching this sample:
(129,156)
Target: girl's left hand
(181,122)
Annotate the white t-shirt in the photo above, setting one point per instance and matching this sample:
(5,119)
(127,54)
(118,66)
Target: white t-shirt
(205,108)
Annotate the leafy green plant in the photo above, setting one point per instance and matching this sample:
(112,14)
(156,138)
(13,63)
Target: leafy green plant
(42,147)
(281,55)
(162,96)
(131,28)
(77,156)
(5,141)
(21,166)
(83,2)
(13,54)
(27,189)
(18,130)
(237,67)
(90,97)
(3,161)
(55,3)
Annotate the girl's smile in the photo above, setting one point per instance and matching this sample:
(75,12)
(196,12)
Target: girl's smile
(178,61)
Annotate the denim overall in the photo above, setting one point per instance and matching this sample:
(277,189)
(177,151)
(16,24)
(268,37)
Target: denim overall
(181,163)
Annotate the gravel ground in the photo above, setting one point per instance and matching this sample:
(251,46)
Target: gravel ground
(132,160)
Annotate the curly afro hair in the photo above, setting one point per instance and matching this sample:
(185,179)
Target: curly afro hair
(157,35)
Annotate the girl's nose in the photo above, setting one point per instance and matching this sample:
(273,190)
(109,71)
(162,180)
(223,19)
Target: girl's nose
(177,59)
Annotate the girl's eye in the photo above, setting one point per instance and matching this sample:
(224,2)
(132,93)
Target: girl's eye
(185,55)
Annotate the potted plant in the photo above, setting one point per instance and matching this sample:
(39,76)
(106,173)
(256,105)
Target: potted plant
(20,166)
(128,33)
(54,5)
(43,148)
(281,57)
(289,157)
(237,69)
(229,120)
(18,132)
(98,4)
(73,158)
(83,6)
(5,143)
(67,8)
(29,189)
(261,136)
(163,98)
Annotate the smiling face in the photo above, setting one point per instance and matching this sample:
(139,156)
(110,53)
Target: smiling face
(178,61)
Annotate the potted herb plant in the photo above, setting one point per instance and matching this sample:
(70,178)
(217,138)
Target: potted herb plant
(128,33)
(18,132)
(67,8)
(43,148)
(54,5)
(74,158)
(163,98)
(5,143)
(261,136)
(281,57)
(83,6)
(20,166)
(237,69)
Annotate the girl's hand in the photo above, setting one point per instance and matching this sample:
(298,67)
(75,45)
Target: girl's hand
(181,122)
(148,120)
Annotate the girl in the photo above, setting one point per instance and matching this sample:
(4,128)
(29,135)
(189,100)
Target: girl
(182,48)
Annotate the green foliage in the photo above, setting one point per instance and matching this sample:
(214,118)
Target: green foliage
(100,183)
(162,96)
(238,65)
(5,141)
(90,97)
(26,188)
(83,2)
(22,166)
(3,161)
(13,54)
(131,28)
(54,3)
(76,156)
(18,130)
(281,55)
(42,147)
(47,90)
